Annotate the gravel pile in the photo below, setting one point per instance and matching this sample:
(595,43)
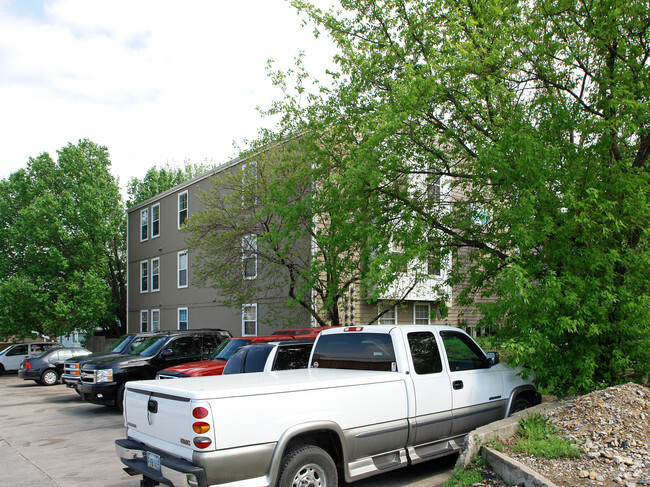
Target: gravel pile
(612,427)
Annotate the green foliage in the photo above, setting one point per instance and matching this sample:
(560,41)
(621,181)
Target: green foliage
(63,245)
(536,116)
(538,436)
(158,180)
(468,476)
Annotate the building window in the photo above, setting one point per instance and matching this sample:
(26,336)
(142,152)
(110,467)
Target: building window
(433,189)
(182,268)
(249,184)
(144,276)
(144,320)
(421,314)
(249,319)
(155,274)
(144,224)
(434,260)
(155,220)
(182,319)
(182,208)
(249,256)
(389,318)
(155,320)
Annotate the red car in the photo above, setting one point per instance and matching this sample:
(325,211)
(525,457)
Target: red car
(218,360)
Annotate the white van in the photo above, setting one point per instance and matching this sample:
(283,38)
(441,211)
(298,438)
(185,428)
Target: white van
(13,355)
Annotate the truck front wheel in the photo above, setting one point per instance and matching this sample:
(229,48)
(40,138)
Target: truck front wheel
(307,466)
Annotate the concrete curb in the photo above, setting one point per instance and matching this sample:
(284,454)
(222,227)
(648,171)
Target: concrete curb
(508,468)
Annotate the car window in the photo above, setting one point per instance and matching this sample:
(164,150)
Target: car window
(17,350)
(294,356)
(146,346)
(362,351)
(184,347)
(208,346)
(227,348)
(249,359)
(120,344)
(462,352)
(64,354)
(425,353)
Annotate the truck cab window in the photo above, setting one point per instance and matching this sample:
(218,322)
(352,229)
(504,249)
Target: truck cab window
(462,352)
(425,353)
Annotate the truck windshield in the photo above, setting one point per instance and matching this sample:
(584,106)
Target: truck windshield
(363,351)
(227,348)
(146,346)
(120,345)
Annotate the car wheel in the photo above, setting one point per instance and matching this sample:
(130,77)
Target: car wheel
(519,404)
(2,369)
(119,398)
(307,465)
(50,377)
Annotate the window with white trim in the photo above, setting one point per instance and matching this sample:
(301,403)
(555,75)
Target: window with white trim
(155,320)
(183,321)
(155,220)
(144,276)
(182,208)
(421,314)
(144,320)
(389,318)
(249,256)
(182,268)
(249,184)
(249,319)
(144,224)
(155,274)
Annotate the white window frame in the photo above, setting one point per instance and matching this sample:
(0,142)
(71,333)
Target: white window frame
(185,210)
(249,242)
(244,320)
(155,320)
(415,315)
(156,220)
(144,320)
(180,269)
(390,318)
(144,224)
(155,264)
(187,319)
(144,276)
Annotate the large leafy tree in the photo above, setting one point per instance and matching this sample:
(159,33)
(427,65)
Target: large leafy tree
(536,114)
(62,243)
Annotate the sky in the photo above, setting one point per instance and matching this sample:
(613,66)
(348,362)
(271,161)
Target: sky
(155,81)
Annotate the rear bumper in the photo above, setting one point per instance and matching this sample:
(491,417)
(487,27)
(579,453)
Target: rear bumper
(173,471)
(29,374)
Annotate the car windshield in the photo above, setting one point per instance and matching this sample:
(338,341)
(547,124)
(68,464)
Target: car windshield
(227,348)
(120,345)
(146,346)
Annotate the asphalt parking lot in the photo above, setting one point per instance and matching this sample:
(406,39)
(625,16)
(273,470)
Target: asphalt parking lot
(49,437)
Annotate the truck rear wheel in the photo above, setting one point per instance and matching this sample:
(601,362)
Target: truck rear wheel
(307,466)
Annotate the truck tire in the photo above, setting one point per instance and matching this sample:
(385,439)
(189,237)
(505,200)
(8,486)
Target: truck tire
(119,398)
(307,466)
(49,377)
(519,404)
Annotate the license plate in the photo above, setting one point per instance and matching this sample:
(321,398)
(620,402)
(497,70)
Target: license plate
(153,461)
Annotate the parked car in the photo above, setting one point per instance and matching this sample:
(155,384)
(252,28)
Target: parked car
(103,379)
(12,356)
(217,362)
(46,367)
(267,356)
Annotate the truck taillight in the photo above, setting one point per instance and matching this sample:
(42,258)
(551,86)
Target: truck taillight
(200,413)
(353,328)
(202,442)
(201,427)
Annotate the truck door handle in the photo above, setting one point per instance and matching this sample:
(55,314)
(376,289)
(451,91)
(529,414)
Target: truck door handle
(152,406)
(457,384)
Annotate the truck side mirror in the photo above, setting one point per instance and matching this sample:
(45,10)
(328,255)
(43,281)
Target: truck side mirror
(166,353)
(493,358)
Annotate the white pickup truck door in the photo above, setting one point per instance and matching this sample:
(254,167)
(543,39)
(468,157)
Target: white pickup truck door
(477,390)
(433,400)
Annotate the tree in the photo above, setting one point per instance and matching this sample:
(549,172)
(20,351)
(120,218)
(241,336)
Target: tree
(535,114)
(158,180)
(278,228)
(63,246)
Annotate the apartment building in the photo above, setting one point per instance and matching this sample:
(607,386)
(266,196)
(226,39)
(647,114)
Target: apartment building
(162,294)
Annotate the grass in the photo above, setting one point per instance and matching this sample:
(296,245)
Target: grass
(468,476)
(538,436)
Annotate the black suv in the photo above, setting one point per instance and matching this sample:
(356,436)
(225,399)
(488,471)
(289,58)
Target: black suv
(103,379)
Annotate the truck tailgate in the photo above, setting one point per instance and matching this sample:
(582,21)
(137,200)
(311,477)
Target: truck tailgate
(163,421)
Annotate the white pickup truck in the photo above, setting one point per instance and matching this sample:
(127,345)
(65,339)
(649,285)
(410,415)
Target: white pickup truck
(374,398)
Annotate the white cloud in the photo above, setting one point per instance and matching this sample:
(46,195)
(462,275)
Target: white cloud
(155,81)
